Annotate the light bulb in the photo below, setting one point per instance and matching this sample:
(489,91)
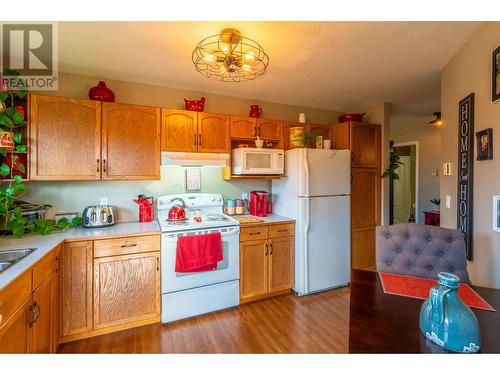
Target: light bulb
(209,57)
(249,56)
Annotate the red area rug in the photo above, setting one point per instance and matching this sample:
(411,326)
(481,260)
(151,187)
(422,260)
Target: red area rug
(418,287)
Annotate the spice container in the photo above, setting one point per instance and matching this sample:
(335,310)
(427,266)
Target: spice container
(240,210)
(230,207)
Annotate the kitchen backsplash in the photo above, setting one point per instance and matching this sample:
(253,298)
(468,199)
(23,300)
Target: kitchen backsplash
(76,195)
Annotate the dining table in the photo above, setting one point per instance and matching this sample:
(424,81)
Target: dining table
(388,323)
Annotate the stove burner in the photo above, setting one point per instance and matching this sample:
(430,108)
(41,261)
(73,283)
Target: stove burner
(216,217)
(177,222)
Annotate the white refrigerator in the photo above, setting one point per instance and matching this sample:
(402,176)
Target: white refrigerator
(316,193)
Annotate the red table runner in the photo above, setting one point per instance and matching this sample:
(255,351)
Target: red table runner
(418,287)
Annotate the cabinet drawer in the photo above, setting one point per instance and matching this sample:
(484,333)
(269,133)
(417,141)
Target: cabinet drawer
(259,232)
(13,296)
(43,269)
(126,245)
(281,230)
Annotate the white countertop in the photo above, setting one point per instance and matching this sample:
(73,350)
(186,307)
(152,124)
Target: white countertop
(269,219)
(44,244)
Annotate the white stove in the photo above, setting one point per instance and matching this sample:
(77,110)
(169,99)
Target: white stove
(190,294)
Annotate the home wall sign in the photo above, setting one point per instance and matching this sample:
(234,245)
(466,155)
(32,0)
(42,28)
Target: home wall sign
(465,169)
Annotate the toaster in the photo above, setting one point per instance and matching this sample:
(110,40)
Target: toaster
(98,216)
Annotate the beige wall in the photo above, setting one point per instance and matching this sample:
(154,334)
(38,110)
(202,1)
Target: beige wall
(406,128)
(470,71)
(381,114)
(74,196)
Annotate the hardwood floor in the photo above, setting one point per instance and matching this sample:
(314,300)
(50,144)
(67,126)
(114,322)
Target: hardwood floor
(317,323)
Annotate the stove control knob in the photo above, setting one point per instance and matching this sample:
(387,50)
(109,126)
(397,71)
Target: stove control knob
(219,199)
(212,199)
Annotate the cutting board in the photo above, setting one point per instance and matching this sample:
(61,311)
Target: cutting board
(248,219)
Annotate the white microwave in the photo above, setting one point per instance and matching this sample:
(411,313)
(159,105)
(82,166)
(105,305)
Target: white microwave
(257,161)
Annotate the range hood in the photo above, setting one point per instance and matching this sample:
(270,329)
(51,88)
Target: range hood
(194,159)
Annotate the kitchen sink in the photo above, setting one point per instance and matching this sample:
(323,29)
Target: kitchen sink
(10,257)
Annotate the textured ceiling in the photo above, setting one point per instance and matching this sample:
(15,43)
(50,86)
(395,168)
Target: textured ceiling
(328,65)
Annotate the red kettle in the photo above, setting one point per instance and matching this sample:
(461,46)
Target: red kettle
(177,211)
(255,111)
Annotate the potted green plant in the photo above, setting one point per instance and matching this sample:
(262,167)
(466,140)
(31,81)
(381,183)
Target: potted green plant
(11,169)
(301,138)
(394,164)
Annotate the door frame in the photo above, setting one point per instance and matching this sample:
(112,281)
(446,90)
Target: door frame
(417,155)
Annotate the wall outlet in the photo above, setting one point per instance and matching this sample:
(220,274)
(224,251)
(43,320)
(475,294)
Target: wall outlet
(103,201)
(193,179)
(448,201)
(434,172)
(447,169)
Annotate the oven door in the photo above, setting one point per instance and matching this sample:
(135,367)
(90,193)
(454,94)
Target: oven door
(228,269)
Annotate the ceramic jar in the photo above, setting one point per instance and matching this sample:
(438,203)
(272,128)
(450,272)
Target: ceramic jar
(446,320)
(102,93)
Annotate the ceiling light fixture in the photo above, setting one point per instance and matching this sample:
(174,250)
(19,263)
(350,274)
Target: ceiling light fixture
(437,121)
(230,57)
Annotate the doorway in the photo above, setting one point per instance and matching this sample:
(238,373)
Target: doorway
(404,190)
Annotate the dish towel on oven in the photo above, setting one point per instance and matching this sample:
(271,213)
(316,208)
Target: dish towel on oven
(198,253)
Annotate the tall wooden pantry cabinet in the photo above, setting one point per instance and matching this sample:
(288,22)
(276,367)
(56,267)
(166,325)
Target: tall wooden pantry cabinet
(364,141)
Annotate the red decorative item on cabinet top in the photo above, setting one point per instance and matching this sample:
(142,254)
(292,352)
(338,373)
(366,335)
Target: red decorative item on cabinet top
(195,105)
(255,111)
(101,92)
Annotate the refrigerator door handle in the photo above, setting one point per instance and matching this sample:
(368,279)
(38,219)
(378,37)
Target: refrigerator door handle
(307,172)
(306,245)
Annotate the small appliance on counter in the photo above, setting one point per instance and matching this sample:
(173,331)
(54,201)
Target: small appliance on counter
(258,203)
(99,216)
(145,208)
(29,210)
(258,161)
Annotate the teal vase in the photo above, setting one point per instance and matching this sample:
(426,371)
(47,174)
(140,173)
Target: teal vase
(446,320)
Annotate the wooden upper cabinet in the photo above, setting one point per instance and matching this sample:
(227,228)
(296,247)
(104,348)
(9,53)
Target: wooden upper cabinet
(213,132)
(281,266)
(65,138)
(320,130)
(365,145)
(365,197)
(179,130)
(341,136)
(285,133)
(126,289)
(243,127)
(130,142)
(269,130)
(76,287)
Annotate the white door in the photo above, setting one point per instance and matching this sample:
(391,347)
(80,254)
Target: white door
(323,172)
(324,251)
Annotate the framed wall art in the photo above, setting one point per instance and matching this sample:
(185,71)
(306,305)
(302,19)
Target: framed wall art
(496,213)
(495,75)
(484,140)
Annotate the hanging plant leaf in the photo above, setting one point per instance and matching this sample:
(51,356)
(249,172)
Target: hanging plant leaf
(21,148)
(6,121)
(18,179)
(19,188)
(18,118)
(4,169)
(3,151)
(21,168)
(22,93)
(9,191)
(3,96)
(18,137)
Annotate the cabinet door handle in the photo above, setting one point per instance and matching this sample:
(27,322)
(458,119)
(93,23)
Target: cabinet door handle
(1,318)
(129,245)
(271,247)
(104,165)
(157,263)
(253,233)
(352,156)
(266,250)
(35,313)
(194,140)
(199,139)
(282,230)
(97,165)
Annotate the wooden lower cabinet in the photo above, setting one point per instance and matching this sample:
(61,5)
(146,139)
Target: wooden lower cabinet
(126,289)
(14,332)
(30,327)
(109,285)
(363,248)
(76,288)
(266,264)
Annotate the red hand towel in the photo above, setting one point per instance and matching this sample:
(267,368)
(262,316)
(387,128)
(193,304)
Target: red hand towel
(198,253)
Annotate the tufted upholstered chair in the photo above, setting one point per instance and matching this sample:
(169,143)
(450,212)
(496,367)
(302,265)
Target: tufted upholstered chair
(421,250)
